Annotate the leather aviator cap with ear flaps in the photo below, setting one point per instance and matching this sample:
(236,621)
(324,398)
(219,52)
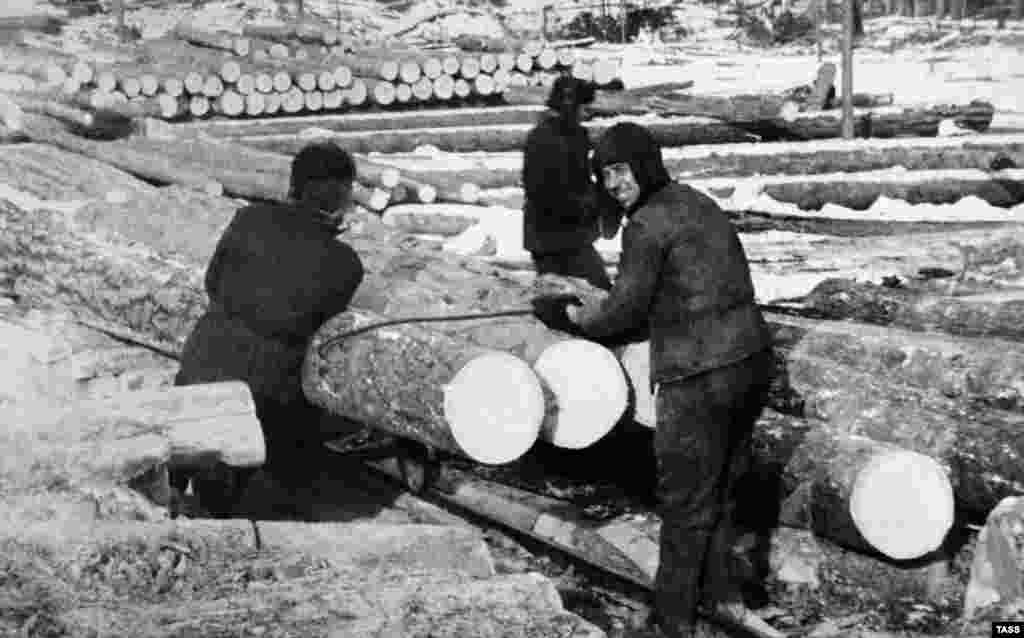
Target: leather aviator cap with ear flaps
(632,144)
(568,92)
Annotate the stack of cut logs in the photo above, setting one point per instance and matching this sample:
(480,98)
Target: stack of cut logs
(291,69)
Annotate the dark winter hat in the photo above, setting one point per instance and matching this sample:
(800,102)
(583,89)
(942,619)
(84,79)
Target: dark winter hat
(320,160)
(568,92)
(630,143)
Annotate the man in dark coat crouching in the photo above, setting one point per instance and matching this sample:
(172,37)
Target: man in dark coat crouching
(277,274)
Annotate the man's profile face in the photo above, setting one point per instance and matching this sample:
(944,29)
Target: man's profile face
(621,184)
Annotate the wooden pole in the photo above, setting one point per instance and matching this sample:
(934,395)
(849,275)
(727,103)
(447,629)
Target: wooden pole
(848,69)
(122,28)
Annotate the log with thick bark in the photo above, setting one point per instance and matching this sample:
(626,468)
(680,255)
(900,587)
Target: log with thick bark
(739,108)
(36,63)
(408,380)
(883,122)
(221,40)
(761,158)
(425,219)
(982,447)
(119,153)
(50,173)
(113,282)
(118,439)
(860,190)
(971,373)
(868,494)
(1000,316)
(669,132)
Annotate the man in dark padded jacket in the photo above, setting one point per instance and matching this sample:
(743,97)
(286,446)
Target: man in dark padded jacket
(277,274)
(684,283)
(560,220)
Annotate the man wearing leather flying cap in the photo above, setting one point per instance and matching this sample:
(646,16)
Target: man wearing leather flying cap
(684,283)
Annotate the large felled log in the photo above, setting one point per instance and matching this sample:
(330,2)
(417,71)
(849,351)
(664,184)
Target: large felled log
(421,219)
(369,121)
(761,158)
(988,372)
(860,190)
(118,153)
(734,109)
(114,282)
(884,122)
(982,316)
(873,384)
(668,131)
(213,39)
(116,440)
(869,494)
(836,156)
(446,393)
(50,173)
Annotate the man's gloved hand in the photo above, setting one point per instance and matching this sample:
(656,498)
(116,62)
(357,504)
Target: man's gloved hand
(550,310)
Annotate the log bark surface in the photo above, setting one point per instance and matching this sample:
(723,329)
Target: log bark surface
(120,154)
(396,378)
(883,122)
(961,316)
(382,121)
(668,132)
(110,281)
(860,190)
(54,174)
(761,158)
(118,439)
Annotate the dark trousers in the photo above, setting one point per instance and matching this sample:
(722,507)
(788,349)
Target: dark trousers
(585,263)
(703,446)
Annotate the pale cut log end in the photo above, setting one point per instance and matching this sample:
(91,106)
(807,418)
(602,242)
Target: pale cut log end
(409,72)
(426,194)
(325,81)
(636,361)
(494,407)
(470,193)
(423,89)
(403,93)
(902,504)
(590,391)
(432,68)
(389,177)
(469,67)
(342,76)
(389,70)
(333,100)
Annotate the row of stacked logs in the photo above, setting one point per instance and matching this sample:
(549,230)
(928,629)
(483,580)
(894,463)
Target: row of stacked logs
(271,70)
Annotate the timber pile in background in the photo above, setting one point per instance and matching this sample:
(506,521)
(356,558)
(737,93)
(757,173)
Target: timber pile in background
(288,69)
